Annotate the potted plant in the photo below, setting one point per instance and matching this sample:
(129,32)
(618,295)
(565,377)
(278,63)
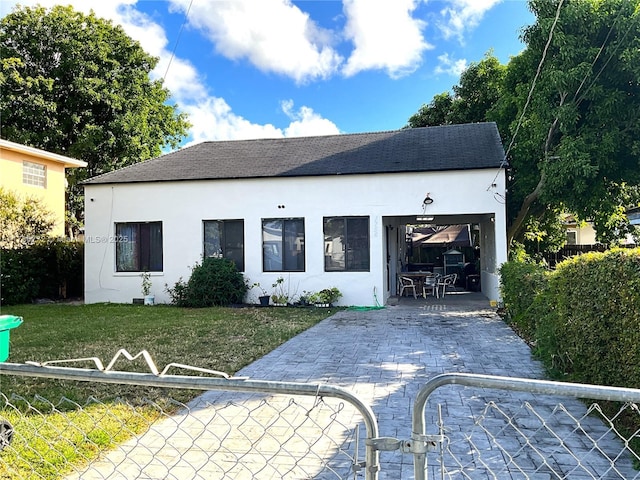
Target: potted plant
(305,299)
(146,289)
(280,294)
(326,297)
(264,298)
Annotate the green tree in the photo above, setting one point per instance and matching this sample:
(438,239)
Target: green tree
(77,85)
(577,143)
(477,92)
(23,221)
(568,112)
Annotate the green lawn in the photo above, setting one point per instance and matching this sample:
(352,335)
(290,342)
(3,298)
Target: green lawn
(224,339)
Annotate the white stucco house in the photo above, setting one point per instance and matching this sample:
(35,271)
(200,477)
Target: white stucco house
(320,212)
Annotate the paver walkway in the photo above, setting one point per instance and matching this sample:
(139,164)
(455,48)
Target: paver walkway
(385,357)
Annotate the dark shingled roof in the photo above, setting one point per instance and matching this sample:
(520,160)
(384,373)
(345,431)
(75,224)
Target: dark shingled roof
(451,147)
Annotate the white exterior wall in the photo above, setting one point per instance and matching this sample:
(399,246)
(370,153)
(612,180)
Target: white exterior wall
(182,207)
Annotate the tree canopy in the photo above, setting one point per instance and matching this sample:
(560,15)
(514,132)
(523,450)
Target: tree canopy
(478,91)
(77,85)
(568,110)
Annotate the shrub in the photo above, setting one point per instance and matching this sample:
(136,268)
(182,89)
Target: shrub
(178,293)
(52,268)
(21,274)
(214,282)
(582,317)
(520,284)
(23,220)
(593,334)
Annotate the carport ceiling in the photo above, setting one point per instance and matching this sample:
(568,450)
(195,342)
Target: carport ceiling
(456,219)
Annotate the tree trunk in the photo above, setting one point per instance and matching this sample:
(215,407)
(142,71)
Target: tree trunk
(516,226)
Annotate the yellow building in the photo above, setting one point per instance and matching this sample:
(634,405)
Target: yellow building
(36,173)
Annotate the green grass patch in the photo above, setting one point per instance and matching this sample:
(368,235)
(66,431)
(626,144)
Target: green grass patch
(58,424)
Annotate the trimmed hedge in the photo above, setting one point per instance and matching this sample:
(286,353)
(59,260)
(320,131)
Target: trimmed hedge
(520,284)
(585,317)
(593,335)
(52,269)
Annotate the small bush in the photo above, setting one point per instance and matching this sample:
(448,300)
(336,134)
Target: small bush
(214,282)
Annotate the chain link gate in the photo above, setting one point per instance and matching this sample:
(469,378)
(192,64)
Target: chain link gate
(242,428)
(550,436)
(263,430)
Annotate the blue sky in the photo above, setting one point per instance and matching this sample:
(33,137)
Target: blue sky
(276,68)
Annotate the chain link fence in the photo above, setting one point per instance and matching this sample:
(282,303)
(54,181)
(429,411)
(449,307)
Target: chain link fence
(237,429)
(251,437)
(534,443)
(244,429)
(529,429)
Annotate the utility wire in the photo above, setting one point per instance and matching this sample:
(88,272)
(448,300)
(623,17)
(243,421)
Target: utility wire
(615,49)
(175,46)
(597,56)
(533,86)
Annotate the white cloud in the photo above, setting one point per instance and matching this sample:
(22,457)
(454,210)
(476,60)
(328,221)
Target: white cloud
(211,117)
(463,15)
(305,122)
(450,66)
(214,120)
(385,35)
(274,35)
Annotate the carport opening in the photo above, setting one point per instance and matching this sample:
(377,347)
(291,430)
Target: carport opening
(415,243)
(444,250)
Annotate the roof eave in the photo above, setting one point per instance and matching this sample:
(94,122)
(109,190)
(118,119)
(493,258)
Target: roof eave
(96,181)
(42,154)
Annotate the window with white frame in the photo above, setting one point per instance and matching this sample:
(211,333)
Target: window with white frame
(225,239)
(139,247)
(34,174)
(346,244)
(283,245)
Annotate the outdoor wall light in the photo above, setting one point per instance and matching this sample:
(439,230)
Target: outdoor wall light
(427,200)
(424,219)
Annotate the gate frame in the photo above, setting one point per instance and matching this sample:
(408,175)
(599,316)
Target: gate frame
(237,384)
(419,435)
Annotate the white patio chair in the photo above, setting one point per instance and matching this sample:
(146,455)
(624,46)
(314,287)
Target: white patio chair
(430,285)
(407,283)
(446,281)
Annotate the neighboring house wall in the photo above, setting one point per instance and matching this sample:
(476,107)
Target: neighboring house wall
(31,172)
(388,200)
(582,234)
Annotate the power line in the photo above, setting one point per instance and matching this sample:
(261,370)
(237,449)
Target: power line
(610,56)
(597,56)
(535,79)
(533,86)
(175,46)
